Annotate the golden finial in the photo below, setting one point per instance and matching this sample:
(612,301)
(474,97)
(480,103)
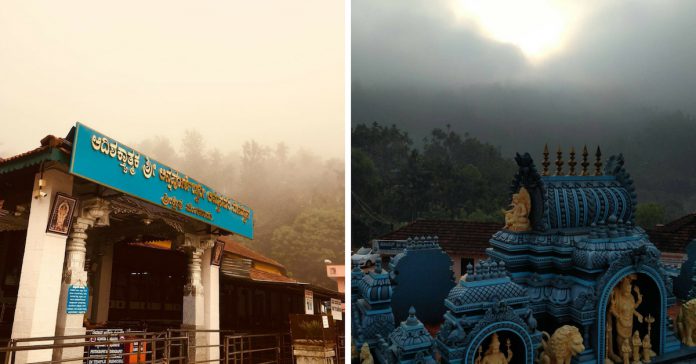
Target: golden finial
(598,163)
(572,162)
(584,163)
(559,162)
(546,162)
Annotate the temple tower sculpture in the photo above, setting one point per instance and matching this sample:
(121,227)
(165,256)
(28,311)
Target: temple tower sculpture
(571,242)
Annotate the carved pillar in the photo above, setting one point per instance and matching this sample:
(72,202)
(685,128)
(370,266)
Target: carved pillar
(94,211)
(194,296)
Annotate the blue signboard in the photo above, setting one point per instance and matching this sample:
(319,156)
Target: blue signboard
(105,161)
(78,297)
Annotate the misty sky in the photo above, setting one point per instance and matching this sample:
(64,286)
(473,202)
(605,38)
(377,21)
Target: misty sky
(642,48)
(270,70)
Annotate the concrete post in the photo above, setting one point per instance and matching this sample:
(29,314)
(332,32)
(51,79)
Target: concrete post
(194,295)
(211,282)
(74,274)
(42,265)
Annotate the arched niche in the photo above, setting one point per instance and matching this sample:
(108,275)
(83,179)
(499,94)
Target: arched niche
(654,302)
(520,342)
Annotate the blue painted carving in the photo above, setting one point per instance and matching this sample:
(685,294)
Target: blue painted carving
(685,283)
(422,276)
(562,272)
(644,260)
(410,343)
(373,312)
(486,301)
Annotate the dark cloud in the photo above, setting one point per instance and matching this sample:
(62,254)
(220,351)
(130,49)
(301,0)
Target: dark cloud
(645,49)
(419,42)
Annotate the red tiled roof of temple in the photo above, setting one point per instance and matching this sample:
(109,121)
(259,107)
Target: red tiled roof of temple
(47,142)
(455,237)
(233,247)
(674,236)
(260,275)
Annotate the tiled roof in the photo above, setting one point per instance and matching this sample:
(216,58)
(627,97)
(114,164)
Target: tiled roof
(238,249)
(56,148)
(673,237)
(455,237)
(259,275)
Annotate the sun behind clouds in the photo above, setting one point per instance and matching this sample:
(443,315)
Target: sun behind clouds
(537,27)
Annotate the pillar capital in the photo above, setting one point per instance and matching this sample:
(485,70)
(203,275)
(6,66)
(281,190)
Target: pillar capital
(95,211)
(200,242)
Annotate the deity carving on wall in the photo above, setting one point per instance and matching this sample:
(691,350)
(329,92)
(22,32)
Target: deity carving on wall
(493,355)
(517,217)
(623,342)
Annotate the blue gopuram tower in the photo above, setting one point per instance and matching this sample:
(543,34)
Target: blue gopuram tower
(582,260)
(569,272)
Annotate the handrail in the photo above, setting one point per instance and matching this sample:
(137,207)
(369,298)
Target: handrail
(170,346)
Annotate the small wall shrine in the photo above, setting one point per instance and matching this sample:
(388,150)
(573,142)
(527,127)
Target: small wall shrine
(569,279)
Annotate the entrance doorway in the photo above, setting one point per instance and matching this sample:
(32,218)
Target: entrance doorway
(146,287)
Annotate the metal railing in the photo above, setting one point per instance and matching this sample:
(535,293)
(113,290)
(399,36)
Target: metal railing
(171,346)
(257,349)
(127,347)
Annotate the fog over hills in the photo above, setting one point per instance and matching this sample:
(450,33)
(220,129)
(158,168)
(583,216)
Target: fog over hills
(622,77)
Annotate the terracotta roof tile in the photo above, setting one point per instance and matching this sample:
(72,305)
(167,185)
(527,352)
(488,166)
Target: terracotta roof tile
(455,237)
(236,248)
(259,275)
(674,236)
(47,142)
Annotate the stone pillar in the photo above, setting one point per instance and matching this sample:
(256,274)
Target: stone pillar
(39,283)
(74,274)
(211,282)
(102,291)
(194,295)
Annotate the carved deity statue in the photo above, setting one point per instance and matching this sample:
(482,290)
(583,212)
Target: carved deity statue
(562,346)
(637,345)
(365,355)
(623,308)
(648,353)
(686,323)
(517,217)
(493,355)
(626,352)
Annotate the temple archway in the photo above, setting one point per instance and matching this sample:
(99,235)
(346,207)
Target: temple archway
(634,299)
(520,343)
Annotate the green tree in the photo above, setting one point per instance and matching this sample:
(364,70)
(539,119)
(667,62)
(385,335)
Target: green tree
(649,214)
(315,235)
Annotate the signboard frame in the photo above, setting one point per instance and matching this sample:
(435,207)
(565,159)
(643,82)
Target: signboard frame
(217,252)
(79,293)
(60,201)
(309,302)
(108,162)
(336,310)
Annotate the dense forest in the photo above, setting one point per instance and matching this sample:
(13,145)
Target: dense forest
(447,174)
(297,197)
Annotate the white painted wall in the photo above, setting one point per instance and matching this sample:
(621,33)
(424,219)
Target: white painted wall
(42,270)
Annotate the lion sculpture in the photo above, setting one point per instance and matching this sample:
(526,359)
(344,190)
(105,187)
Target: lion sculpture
(565,343)
(686,323)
